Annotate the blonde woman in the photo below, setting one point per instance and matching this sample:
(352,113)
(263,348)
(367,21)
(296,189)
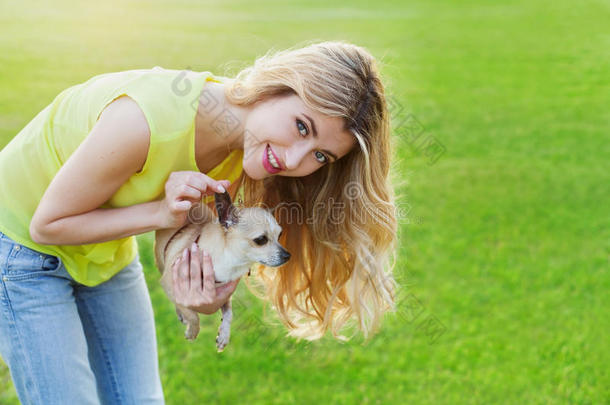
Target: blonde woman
(130,152)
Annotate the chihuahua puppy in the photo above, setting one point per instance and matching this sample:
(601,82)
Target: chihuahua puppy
(235,239)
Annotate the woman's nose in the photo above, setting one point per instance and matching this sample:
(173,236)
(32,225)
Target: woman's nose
(295,155)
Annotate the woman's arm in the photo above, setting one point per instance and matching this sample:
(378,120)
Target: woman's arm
(99,225)
(116,148)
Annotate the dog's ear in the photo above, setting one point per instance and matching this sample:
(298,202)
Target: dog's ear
(227,213)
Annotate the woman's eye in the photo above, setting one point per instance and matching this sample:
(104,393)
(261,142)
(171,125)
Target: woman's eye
(320,157)
(302,128)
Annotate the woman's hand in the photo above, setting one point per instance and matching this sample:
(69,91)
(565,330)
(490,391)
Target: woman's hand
(182,190)
(194,291)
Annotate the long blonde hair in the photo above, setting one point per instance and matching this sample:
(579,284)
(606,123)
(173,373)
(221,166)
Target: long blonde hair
(341,268)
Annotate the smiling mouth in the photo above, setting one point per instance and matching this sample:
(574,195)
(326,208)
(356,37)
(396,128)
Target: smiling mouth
(272,160)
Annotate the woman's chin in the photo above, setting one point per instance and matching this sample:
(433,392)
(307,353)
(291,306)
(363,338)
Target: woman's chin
(257,173)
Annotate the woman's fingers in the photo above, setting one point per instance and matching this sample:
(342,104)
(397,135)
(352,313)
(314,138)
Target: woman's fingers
(184,195)
(188,192)
(175,283)
(208,185)
(224,291)
(183,271)
(225,184)
(191,185)
(217,186)
(196,279)
(208,276)
(178,280)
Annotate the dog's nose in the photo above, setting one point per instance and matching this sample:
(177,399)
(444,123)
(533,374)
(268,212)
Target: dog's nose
(284,255)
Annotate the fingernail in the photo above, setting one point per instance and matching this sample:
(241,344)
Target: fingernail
(205,254)
(186,252)
(194,246)
(221,189)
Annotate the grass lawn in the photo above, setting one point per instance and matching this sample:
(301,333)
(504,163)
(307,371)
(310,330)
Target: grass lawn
(504,238)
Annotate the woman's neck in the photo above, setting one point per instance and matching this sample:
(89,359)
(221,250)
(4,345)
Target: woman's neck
(219,125)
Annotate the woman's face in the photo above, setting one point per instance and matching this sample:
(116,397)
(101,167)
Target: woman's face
(284,137)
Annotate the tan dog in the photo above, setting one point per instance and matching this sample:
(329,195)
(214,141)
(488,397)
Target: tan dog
(235,239)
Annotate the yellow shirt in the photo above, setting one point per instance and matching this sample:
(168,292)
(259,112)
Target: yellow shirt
(169,100)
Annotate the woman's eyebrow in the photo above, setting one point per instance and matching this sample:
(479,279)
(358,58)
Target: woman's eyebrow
(315,135)
(313,125)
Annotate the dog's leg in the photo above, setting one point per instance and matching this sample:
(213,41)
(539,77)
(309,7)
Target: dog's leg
(180,317)
(224,331)
(191,319)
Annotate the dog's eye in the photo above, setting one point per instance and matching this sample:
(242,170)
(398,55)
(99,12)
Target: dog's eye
(261,240)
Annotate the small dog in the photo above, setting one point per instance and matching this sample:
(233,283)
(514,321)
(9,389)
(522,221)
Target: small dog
(236,239)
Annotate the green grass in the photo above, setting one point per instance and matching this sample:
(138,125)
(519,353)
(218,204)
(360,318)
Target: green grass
(507,240)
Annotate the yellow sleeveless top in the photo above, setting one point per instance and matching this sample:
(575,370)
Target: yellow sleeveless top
(28,163)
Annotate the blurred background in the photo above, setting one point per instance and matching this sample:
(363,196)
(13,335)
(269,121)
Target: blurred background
(501,132)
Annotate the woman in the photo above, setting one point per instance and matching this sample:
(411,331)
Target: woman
(125,153)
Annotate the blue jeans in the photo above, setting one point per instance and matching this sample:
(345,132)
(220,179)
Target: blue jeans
(66,343)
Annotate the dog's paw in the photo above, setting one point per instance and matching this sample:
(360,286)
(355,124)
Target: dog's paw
(191,333)
(222,340)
